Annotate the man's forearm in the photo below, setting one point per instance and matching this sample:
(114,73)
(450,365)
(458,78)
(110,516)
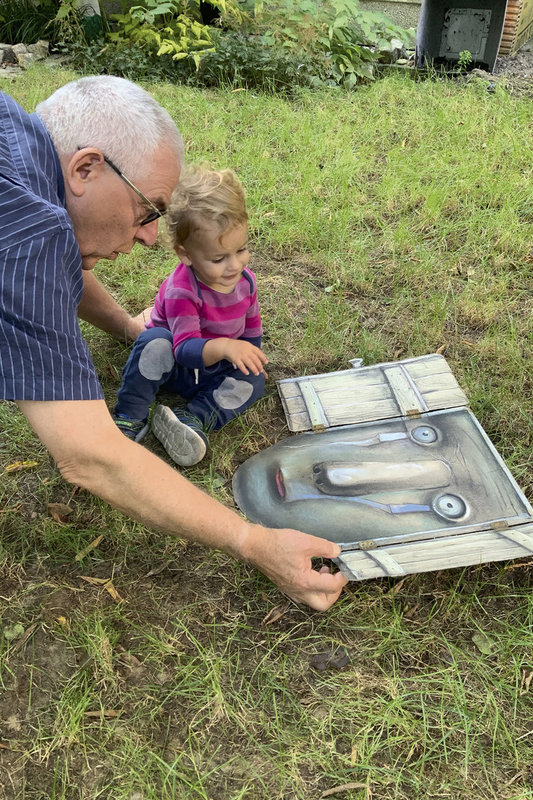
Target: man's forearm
(91,452)
(98,457)
(100,309)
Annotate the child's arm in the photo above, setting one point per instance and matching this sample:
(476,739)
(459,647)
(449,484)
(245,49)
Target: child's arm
(245,355)
(244,352)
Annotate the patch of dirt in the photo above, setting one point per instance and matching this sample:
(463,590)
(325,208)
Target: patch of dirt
(517,70)
(519,65)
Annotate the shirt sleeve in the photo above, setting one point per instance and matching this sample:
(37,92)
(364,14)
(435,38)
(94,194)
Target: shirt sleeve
(43,355)
(182,313)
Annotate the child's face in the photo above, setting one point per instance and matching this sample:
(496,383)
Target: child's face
(217,260)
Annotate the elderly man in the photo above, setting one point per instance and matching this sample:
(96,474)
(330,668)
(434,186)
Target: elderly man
(85,178)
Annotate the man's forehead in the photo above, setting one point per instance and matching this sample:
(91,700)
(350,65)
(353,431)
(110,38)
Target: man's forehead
(162,174)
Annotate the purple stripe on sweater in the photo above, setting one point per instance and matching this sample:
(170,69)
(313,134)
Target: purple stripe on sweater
(189,309)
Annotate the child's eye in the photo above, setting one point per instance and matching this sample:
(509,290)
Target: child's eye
(218,260)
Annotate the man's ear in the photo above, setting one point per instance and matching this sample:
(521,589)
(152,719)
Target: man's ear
(85,166)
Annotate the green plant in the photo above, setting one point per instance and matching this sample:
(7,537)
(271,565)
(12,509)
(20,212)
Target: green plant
(125,59)
(169,27)
(464,60)
(73,23)
(249,61)
(26,20)
(161,27)
(61,22)
(330,29)
(237,60)
(337,32)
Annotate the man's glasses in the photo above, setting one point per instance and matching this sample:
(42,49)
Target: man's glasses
(156,213)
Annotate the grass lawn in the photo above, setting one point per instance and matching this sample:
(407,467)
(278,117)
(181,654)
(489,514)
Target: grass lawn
(385,224)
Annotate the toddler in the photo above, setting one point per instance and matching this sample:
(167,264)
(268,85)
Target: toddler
(203,339)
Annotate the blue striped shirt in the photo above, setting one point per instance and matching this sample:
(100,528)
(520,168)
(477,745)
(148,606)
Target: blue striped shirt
(43,355)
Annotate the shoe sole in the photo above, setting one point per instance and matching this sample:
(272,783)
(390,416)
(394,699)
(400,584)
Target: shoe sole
(184,446)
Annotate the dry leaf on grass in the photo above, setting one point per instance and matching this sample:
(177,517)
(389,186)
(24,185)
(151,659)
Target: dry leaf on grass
(526,681)
(91,546)
(24,638)
(483,643)
(157,570)
(345,787)
(275,613)
(106,583)
(518,566)
(113,592)
(16,466)
(59,512)
(12,509)
(109,713)
(397,587)
(333,658)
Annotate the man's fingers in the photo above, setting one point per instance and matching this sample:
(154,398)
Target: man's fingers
(144,316)
(323,592)
(326,582)
(321,548)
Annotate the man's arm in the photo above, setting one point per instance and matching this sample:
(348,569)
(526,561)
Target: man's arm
(99,308)
(91,452)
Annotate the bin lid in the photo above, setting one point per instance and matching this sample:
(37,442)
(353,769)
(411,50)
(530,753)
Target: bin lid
(362,394)
(396,469)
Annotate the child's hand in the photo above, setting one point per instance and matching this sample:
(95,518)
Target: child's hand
(245,356)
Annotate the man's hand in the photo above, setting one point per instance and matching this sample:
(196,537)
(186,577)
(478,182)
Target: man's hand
(100,309)
(284,556)
(137,324)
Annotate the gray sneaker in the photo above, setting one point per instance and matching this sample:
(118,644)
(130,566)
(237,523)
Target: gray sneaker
(183,439)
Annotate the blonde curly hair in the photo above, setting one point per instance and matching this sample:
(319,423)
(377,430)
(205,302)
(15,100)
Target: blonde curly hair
(205,195)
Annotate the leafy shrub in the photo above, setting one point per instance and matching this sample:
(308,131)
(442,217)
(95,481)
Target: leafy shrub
(289,43)
(331,29)
(170,27)
(338,32)
(26,20)
(61,22)
(252,62)
(238,60)
(127,60)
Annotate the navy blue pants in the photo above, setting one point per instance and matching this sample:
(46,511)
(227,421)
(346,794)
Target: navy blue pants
(215,394)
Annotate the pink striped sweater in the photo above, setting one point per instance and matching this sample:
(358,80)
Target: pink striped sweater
(195,313)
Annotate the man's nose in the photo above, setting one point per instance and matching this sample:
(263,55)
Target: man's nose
(147,234)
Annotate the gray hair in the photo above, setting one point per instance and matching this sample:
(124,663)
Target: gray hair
(114,115)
